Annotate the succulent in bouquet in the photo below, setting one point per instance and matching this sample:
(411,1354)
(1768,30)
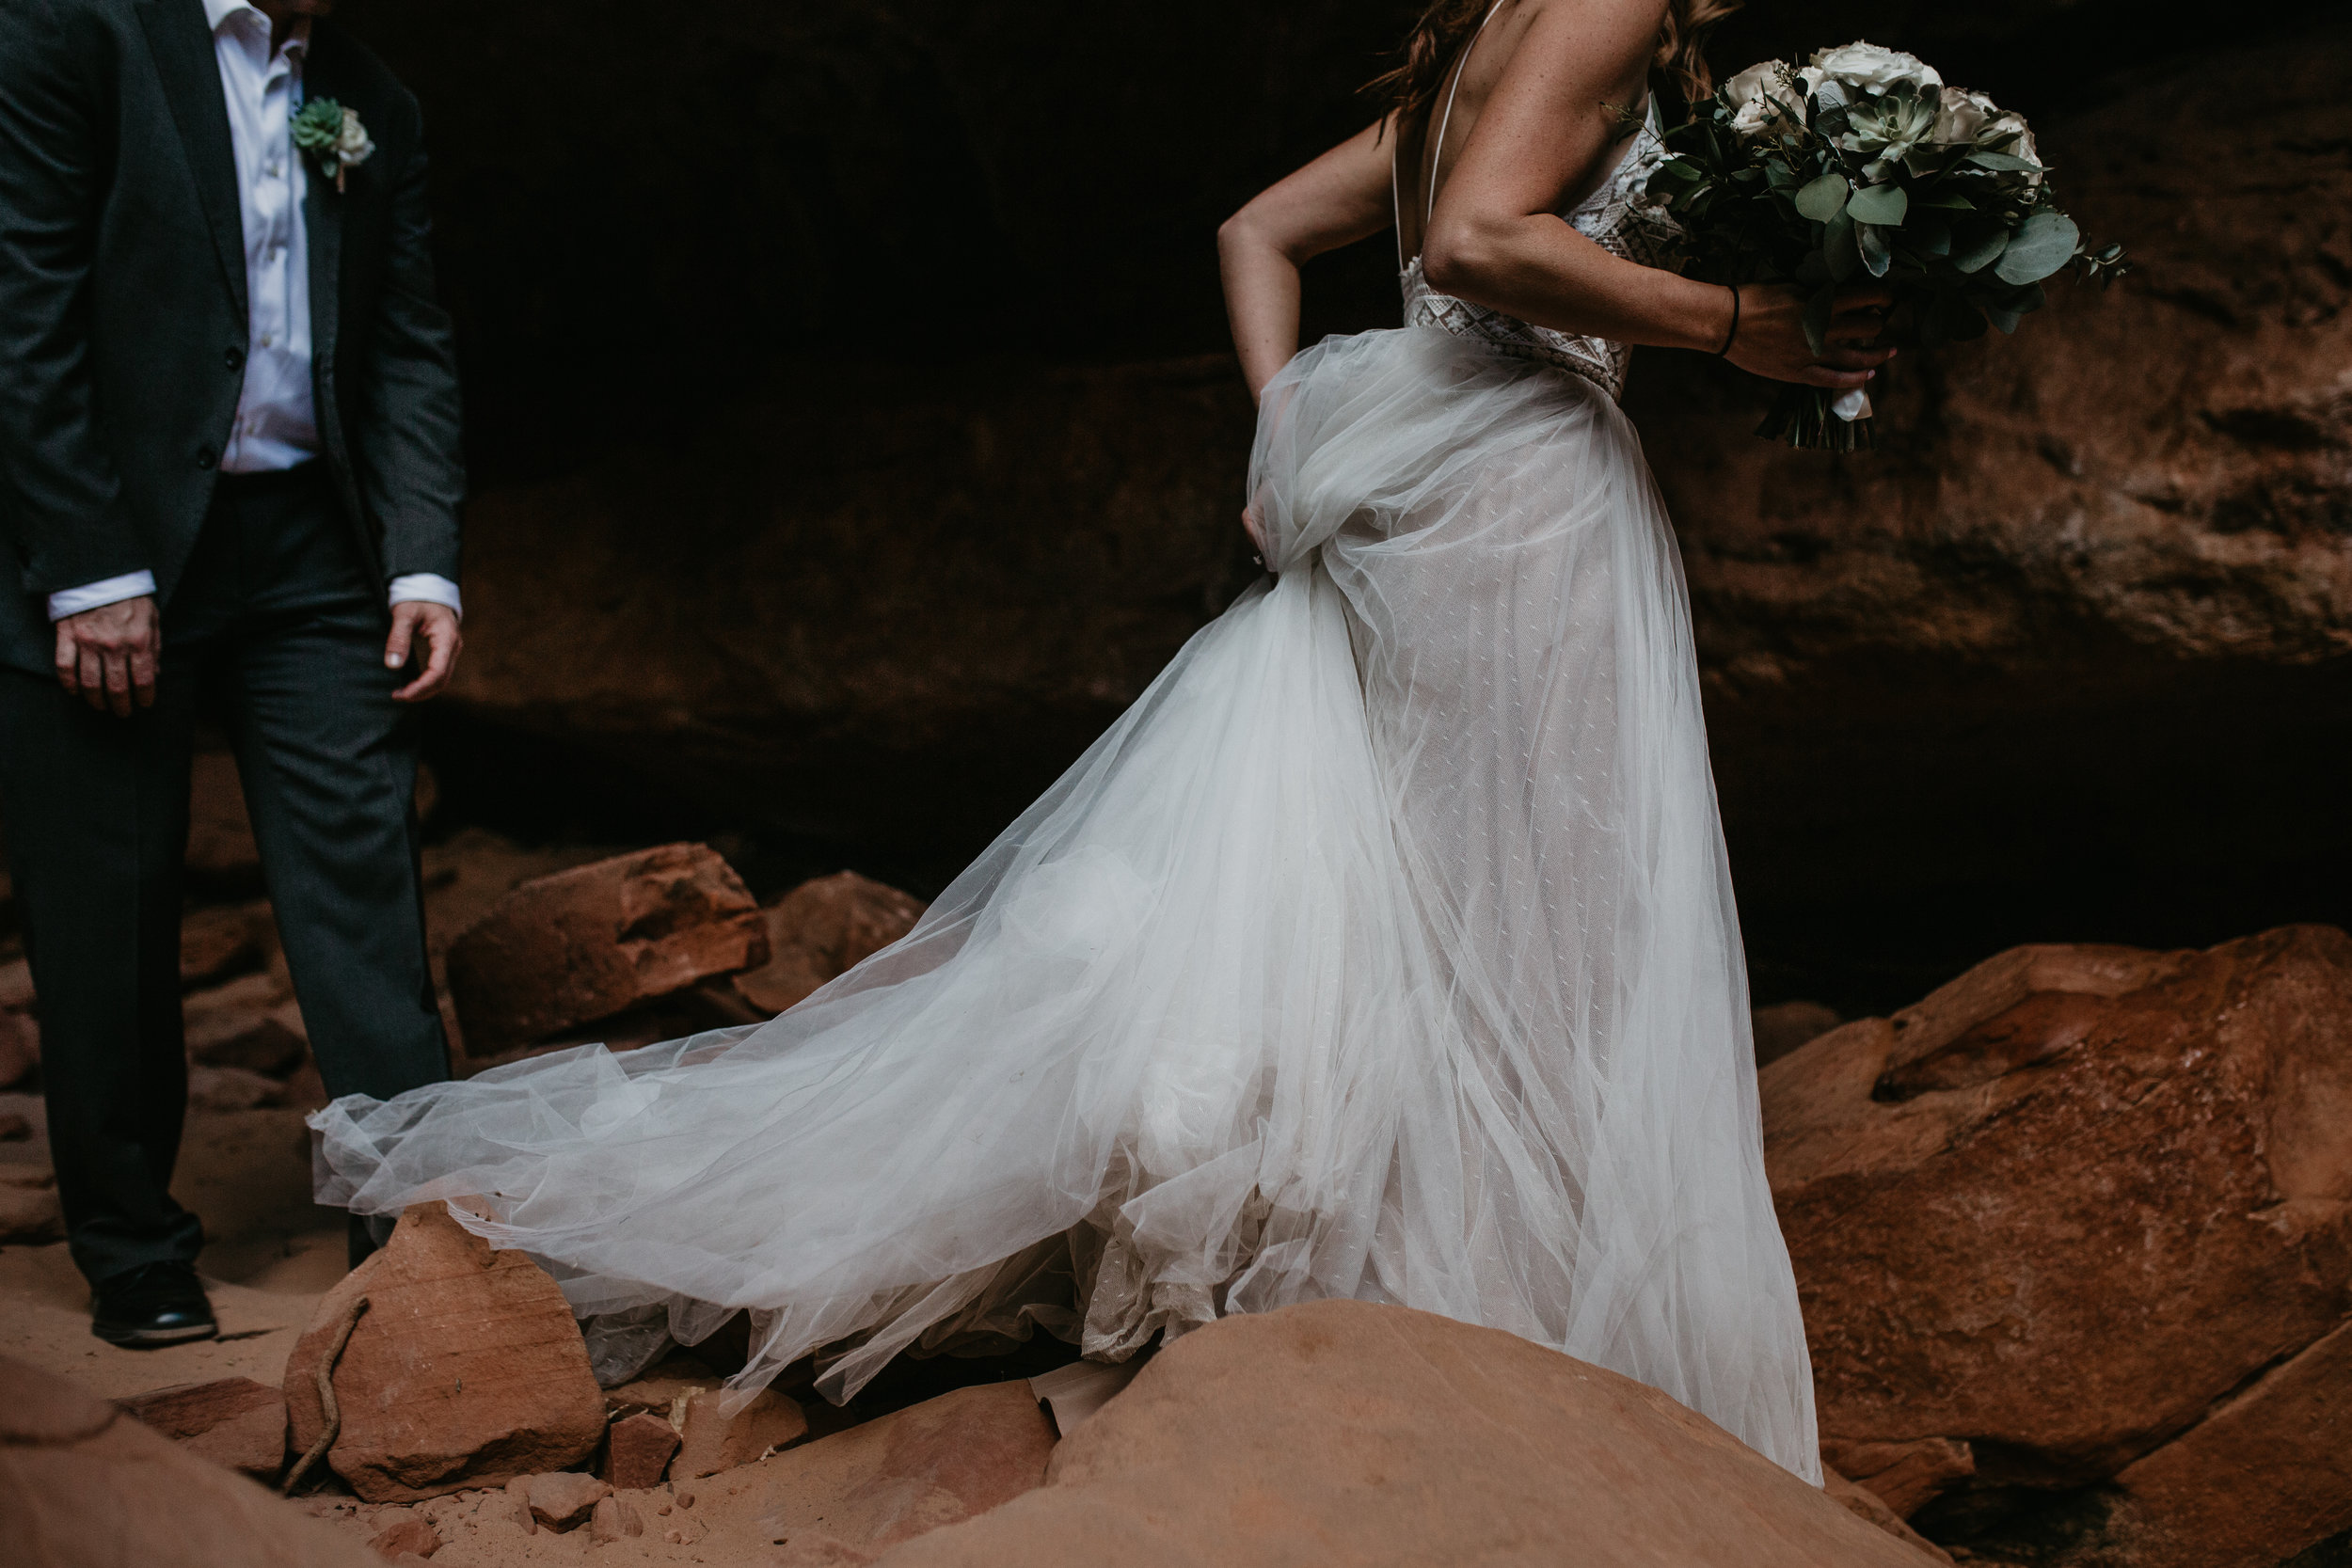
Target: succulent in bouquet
(1862,165)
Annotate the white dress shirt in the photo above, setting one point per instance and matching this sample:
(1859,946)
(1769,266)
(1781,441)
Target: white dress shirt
(276,425)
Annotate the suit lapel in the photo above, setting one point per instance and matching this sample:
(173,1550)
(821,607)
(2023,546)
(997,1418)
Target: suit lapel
(182,48)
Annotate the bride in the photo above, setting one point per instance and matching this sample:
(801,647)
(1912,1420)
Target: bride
(1384,949)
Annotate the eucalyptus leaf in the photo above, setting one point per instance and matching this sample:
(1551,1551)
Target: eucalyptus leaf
(2004,163)
(1872,239)
(1973,247)
(1879,204)
(1838,247)
(2045,242)
(1821,198)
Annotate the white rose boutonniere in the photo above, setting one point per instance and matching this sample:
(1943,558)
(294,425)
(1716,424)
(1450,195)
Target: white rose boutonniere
(333,138)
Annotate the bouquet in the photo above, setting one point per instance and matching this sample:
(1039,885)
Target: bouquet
(1862,163)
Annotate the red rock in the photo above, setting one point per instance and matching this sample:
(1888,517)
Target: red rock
(220,944)
(584,944)
(466,1370)
(713,1441)
(241,1025)
(232,1421)
(1343,1433)
(410,1536)
(221,850)
(563,1499)
(638,1450)
(823,929)
(14,1128)
(20,1049)
(231,1088)
(16,985)
(659,1386)
(82,1487)
(29,1214)
(1786,1025)
(2081,1216)
(614,1519)
(1864,1504)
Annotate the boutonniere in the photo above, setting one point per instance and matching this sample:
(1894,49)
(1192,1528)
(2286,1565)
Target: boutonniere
(333,138)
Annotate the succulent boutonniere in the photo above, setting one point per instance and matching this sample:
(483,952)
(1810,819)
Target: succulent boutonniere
(333,138)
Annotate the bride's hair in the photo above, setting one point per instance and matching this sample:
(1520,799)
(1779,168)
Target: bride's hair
(1430,47)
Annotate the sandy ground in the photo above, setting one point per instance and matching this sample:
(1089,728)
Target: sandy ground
(271,1253)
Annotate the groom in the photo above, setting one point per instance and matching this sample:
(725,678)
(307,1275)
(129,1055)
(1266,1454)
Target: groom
(228,480)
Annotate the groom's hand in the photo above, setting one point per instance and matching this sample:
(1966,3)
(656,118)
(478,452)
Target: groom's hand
(435,627)
(107,655)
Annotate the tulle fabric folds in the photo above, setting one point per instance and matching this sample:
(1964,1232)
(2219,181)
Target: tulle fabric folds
(1384,948)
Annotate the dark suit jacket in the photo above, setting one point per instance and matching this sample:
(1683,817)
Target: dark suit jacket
(123,314)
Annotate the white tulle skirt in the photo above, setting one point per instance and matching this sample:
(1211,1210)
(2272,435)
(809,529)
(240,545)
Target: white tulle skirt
(1384,949)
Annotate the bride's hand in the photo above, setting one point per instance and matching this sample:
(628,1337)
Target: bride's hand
(1770,342)
(1255,527)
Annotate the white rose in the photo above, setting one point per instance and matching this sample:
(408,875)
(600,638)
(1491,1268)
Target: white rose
(1755,93)
(1866,65)
(1962,114)
(2005,121)
(353,145)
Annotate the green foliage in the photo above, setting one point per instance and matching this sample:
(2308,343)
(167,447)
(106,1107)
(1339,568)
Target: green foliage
(1831,187)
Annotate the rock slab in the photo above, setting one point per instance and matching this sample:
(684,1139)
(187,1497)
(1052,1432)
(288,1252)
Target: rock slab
(82,1485)
(823,929)
(1340,1433)
(2082,1219)
(466,1370)
(597,940)
(637,1452)
(232,1421)
(713,1441)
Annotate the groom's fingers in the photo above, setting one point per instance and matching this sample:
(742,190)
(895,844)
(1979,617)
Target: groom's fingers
(437,627)
(404,628)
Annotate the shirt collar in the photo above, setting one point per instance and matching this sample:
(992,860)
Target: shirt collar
(217,12)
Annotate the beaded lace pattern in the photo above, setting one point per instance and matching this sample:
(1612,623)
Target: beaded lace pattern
(1617,217)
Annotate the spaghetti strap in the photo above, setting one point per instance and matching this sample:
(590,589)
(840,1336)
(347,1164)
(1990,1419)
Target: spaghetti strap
(1437,153)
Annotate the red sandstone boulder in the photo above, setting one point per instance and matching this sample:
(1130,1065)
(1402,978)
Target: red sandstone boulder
(29,1212)
(1341,1432)
(20,1049)
(82,1485)
(914,1471)
(232,1420)
(823,929)
(221,944)
(245,1023)
(586,943)
(412,1536)
(466,1370)
(713,1441)
(2084,1218)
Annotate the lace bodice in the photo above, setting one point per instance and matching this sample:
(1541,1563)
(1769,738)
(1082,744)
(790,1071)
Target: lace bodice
(1617,218)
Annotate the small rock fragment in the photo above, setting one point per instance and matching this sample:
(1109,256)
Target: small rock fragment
(20,1049)
(412,1536)
(14,1128)
(518,1498)
(612,1519)
(638,1450)
(563,1499)
(714,1441)
(29,1214)
(232,1421)
(231,1088)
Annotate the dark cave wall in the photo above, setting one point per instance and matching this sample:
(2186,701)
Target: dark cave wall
(854,441)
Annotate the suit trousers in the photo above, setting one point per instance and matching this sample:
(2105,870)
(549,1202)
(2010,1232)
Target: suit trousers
(276,626)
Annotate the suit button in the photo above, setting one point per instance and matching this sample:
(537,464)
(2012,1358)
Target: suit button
(206,457)
(234,358)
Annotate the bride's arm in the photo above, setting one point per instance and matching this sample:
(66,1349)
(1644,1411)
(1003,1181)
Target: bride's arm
(1341,197)
(1495,237)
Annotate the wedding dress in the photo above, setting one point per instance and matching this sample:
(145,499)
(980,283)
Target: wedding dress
(1385,948)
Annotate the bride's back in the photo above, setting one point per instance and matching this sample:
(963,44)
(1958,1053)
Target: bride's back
(1431,136)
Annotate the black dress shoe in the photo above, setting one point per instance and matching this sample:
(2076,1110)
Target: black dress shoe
(157,1303)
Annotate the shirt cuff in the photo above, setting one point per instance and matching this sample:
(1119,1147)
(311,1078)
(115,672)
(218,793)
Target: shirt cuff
(428,588)
(91,595)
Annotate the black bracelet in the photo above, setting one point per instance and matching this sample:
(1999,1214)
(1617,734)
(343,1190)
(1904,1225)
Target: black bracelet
(1725,352)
